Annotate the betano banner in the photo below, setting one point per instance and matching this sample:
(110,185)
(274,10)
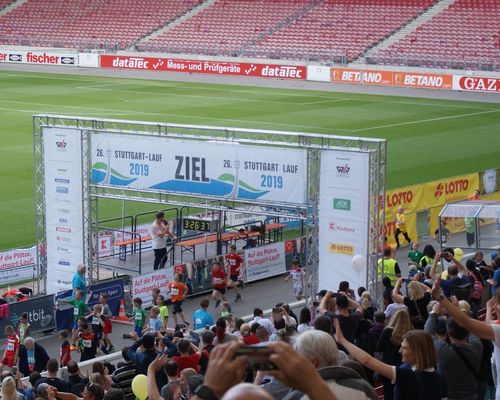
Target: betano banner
(392,78)
(425,196)
(343,216)
(225,170)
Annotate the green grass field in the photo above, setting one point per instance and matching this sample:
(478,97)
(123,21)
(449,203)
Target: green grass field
(427,139)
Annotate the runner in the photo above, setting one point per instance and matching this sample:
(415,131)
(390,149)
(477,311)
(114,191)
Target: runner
(219,282)
(177,291)
(297,274)
(401,227)
(234,261)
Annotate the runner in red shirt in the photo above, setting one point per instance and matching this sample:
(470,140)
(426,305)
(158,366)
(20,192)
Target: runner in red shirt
(11,348)
(219,282)
(177,291)
(234,262)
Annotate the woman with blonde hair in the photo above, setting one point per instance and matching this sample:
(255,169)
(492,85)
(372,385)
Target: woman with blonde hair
(9,390)
(420,381)
(389,344)
(419,295)
(367,305)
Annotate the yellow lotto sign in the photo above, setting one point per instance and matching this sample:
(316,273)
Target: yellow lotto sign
(431,195)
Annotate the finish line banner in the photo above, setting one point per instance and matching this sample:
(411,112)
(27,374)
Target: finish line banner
(225,170)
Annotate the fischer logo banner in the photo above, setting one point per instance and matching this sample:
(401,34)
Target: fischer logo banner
(476,83)
(205,67)
(39,57)
(391,78)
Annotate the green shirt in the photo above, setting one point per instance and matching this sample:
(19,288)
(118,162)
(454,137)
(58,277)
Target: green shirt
(415,256)
(140,316)
(79,310)
(163,313)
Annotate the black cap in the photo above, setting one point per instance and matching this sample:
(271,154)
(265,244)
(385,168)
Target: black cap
(321,293)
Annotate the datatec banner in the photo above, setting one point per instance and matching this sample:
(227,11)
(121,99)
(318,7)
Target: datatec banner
(343,215)
(217,169)
(64,206)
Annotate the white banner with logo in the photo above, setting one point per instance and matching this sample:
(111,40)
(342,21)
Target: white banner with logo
(142,285)
(39,57)
(265,261)
(476,83)
(343,216)
(221,169)
(17,265)
(64,205)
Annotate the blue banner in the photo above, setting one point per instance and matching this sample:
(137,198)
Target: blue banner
(113,289)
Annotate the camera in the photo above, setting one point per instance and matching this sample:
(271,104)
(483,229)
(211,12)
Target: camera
(258,357)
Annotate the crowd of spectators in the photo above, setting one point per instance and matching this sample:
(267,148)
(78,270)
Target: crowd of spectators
(425,342)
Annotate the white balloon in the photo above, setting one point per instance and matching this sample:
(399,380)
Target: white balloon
(358,263)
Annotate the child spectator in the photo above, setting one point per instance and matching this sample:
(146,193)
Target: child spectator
(225,310)
(23,329)
(65,353)
(108,327)
(155,292)
(160,303)
(155,323)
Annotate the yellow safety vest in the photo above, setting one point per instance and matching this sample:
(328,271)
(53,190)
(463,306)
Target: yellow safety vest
(387,267)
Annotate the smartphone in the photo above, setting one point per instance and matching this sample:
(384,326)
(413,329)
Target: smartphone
(258,357)
(277,309)
(127,336)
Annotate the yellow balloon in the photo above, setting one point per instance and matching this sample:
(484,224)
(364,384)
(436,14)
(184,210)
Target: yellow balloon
(140,386)
(459,253)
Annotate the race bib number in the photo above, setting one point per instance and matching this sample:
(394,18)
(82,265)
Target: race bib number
(87,343)
(95,321)
(232,262)
(75,311)
(138,316)
(175,291)
(10,346)
(217,280)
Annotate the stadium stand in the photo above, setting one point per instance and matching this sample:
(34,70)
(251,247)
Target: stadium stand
(465,35)
(4,3)
(339,30)
(76,23)
(227,26)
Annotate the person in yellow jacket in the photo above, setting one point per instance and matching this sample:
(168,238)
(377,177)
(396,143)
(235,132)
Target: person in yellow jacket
(401,227)
(389,267)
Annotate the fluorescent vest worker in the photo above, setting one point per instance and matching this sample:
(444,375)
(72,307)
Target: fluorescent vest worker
(387,267)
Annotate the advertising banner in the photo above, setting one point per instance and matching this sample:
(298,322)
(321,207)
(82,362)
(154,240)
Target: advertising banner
(265,261)
(40,312)
(39,57)
(113,289)
(318,73)
(343,215)
(143,284)
(449,190)
(205,67)
(17,265)
(64,206)
(391,78)
(223,170)
(476,83)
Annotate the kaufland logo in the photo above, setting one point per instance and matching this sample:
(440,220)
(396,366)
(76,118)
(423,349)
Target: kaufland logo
(63,229)
(335,227)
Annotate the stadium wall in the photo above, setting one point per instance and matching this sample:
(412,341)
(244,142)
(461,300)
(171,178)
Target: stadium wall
(476,81)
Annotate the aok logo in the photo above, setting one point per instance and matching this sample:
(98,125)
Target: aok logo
(341,204)
(343,169)
(460,185)
(340,248)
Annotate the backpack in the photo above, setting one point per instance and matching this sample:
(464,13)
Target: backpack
(477,288)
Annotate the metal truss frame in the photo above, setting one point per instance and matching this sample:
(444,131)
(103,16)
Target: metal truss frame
(311,142)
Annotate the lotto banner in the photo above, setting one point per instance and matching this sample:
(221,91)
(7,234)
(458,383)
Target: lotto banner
(425,196)
(64,205)
(343,215)
(223,170)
